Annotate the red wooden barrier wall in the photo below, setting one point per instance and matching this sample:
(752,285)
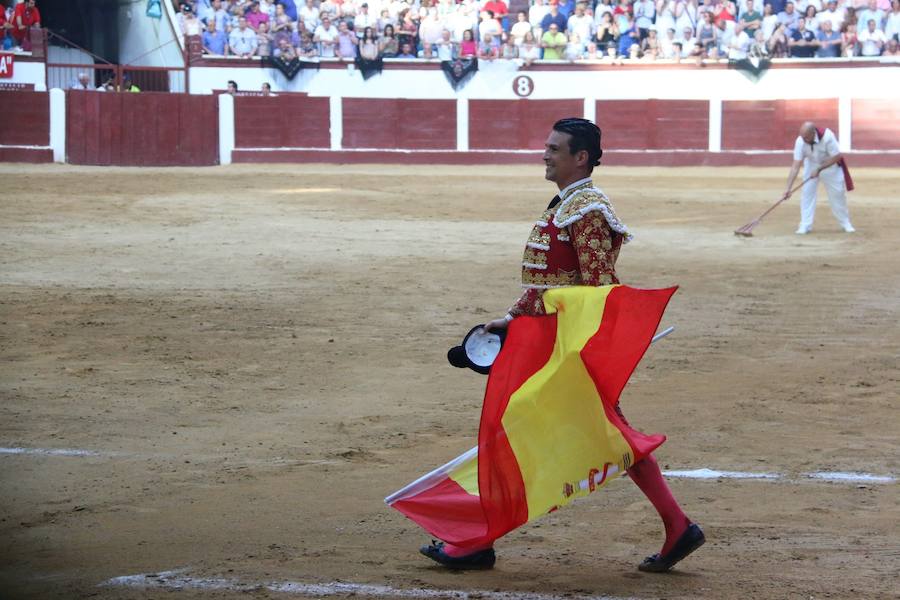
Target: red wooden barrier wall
(24,118)
(654,124)
(283,121)
(398,123)
(772,124)
(146,129)
(876,124)
(516,124)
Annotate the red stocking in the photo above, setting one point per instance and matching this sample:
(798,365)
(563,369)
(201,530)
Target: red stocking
(649,478)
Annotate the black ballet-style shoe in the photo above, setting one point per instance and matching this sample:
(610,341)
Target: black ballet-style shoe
(481,560)
(690,540)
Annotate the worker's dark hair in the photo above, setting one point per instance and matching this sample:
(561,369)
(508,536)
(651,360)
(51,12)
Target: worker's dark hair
(585,136)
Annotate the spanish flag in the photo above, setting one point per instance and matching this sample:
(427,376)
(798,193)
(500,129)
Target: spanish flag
(549,429)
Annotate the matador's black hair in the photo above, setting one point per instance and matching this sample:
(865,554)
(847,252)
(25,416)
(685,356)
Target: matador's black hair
(585,136)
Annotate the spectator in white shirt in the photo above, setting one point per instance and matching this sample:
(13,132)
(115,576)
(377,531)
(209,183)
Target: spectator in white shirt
(740,43)
(521,27)
(725,31)
(812,20)
(537,12)
(445,47)
(872,40)
(217,13)
(82,83)
(461,21)
(326,36)
(687,14)
(242,41)
(687,42)
(431,28)
(770,21)
(892,22)
(489,24)
(581,24)
(309,14)
(871,12)
(190,25)
(832,13)
(530,50)
(362,20)
(666,44)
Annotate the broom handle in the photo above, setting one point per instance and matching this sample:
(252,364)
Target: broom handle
(786,196)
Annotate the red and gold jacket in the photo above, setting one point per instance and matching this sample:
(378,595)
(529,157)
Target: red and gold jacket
(576,241)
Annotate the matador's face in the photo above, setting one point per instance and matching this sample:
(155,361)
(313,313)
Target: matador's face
(560,164)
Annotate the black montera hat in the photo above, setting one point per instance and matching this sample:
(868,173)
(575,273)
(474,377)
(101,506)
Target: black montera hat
(478,350)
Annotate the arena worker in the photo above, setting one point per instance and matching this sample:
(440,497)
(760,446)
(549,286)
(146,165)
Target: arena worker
(816,149)
(576,241)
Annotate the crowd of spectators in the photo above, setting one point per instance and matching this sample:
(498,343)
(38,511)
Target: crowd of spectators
(548,30)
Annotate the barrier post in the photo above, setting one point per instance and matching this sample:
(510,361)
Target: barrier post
(462,124)
(226,128)
(58,124)
(590,109)
(845,124)
(715,125)
(336,112)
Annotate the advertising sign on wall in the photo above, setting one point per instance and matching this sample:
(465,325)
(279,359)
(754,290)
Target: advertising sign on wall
(6,66)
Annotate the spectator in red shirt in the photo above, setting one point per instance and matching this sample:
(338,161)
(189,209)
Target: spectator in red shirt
(724,11)
(24,18)
(499,8)
(5,26)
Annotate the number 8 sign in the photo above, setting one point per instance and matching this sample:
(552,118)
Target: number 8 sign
(523,85)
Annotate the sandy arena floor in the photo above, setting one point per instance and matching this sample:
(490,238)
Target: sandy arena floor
(255,356)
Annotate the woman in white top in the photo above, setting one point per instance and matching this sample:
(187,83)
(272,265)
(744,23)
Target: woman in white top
(892,23)
(529,51)
(687,14)
(368,46)
(446,8)
(575,48)
(665,15)
(812,22)
(521,27)
(769,21)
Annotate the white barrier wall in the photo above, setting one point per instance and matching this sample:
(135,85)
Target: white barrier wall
(495,81)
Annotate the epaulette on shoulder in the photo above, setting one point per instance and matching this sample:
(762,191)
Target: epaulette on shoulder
(585,201)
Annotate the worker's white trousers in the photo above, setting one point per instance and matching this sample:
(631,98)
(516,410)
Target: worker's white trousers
(833,180)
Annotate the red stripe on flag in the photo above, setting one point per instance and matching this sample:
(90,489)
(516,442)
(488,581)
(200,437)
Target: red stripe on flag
(448,512)
(527,348)
(612,354)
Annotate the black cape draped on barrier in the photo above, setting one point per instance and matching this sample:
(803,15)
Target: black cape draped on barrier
(459,71)
(369,68)
(289,68)
(752,68)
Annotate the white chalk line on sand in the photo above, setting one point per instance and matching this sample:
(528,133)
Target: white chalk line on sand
(50,451)
(704,473)
(179,580)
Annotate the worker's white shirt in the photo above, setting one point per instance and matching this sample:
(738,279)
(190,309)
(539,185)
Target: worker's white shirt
(815,154)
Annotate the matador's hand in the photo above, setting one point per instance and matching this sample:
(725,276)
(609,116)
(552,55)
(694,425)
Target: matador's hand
(496,324)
